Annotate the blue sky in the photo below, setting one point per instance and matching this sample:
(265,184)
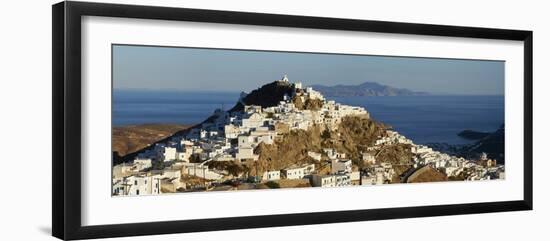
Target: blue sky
(193,69)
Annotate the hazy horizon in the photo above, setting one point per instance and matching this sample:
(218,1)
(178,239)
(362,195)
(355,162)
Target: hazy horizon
(237,92)
(218,70)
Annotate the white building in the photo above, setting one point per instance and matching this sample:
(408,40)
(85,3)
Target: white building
(331,153)
(271,175)
(259,136)
(171,185)
(337,180)
(316,156)
(294,172)
(309,169)
(323,181)
(198,170)
(244,153)
(342,180)
(143,162)
(253,120)
(245,141)
(166,153)
(124,170)
(285,78)
(373,179)
(231,131)
(368,158)
(138,185)
(313,94)
(340,166)
(172,172)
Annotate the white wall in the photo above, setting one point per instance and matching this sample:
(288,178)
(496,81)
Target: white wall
(25,53)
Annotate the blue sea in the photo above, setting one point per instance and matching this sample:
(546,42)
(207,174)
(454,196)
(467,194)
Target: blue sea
(424,119)
(173,107)
(432,119)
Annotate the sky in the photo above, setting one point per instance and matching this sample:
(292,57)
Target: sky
(196,69)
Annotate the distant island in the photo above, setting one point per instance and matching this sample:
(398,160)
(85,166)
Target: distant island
(364,89)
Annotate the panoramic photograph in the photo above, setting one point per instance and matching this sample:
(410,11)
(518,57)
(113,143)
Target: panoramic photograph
(204,120)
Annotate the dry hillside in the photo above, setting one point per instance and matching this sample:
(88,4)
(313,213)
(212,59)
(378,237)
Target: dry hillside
(353,135)
(131,138)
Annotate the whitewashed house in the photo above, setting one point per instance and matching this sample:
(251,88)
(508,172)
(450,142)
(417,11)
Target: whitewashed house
(118,187)
(124,170)
(253,120)
(376,178)
(143,163)
(316,156)
(260,135)
(294,172)
(231,131)
(165,153)
(244,153)
(245,141)
(337,180)
(271,175)
(202,171)
(323,181)
(172,172)
(340,166)
(171,185)
(139,185)
(368,158)
(342,180)
(309,169)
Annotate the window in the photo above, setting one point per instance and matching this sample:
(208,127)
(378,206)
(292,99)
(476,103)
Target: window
(137,192)
(135,182)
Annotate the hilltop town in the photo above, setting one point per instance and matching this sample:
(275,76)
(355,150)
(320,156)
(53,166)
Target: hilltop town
(286,135)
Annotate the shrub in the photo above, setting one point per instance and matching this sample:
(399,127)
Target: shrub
(272,184)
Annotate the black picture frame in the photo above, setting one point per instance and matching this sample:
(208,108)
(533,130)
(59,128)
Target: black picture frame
(66,127)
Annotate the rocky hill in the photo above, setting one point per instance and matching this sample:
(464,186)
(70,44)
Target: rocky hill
(354,134)
(266,96)
(492,145)
(364,89)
